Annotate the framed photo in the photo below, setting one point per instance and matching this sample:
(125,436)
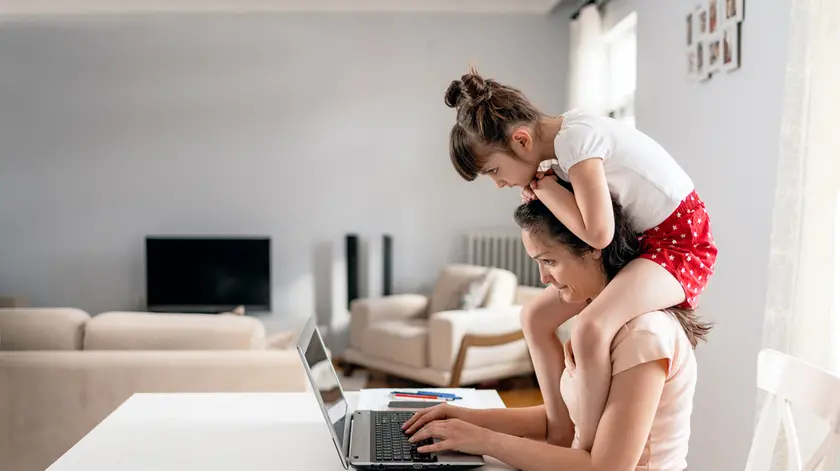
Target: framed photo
(714,16)
(731,46)
(733,11)
(715,48)
(701,18)
(702,62)
(692,72)
(689,29)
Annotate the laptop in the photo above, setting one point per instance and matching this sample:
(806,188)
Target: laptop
(367,439)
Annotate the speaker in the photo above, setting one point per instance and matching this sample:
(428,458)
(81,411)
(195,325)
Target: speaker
(387,265)
(351,249)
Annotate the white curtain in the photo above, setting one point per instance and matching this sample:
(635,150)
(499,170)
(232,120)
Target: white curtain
(802,311)
(588,67)
(801,314)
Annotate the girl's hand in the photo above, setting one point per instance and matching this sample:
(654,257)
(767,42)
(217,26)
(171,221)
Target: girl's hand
(528,195)
(543,180)
(453,435)
(423,417)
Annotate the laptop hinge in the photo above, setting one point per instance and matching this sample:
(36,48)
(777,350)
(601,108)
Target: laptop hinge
(348,435)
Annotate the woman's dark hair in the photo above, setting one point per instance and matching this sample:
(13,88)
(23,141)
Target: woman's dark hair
(487,110)
(535,218)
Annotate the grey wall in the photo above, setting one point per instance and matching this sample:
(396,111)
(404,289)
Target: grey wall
(301,127)
(725,133)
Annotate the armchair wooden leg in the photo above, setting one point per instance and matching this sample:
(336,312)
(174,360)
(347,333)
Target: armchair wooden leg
(478,340)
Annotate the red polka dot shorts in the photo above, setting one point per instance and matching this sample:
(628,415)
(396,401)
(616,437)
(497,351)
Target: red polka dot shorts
(683,245)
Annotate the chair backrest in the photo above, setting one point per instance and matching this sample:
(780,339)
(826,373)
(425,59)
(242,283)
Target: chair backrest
(792,381)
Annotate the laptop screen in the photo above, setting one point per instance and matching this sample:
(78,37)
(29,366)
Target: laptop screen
(325,383)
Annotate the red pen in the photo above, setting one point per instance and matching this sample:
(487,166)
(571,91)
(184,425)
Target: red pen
(417,396)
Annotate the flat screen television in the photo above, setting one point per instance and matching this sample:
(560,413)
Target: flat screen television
(208,274)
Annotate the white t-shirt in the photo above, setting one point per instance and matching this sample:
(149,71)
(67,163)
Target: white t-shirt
(642,176)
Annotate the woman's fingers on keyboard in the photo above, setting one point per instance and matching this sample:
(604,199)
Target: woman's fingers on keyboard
(423,417)
(411,421)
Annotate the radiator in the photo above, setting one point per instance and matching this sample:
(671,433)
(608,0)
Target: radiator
(503,250)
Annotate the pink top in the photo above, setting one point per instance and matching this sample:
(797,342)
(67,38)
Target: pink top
(649,337)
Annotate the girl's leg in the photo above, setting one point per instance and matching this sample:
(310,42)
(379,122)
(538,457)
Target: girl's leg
(640,287)
(540,320)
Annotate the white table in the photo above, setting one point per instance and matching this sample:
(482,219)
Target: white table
(217,432)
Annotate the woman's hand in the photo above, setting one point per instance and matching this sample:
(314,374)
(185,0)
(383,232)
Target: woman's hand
(424,416)
(454,435)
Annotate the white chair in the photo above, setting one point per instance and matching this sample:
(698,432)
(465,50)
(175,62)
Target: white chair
(792,381)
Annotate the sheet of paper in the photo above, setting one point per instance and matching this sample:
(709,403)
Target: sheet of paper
(378,398)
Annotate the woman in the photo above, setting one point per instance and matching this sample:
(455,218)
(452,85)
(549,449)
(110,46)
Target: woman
(646,422)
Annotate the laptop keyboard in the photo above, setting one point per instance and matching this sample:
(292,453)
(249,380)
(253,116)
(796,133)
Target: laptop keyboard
(390,443)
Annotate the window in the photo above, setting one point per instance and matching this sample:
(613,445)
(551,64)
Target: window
(620,44)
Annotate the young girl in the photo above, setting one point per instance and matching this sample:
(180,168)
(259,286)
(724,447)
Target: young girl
(499,133)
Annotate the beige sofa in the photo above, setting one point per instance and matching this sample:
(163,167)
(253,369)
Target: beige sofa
(423,338)
(63,371)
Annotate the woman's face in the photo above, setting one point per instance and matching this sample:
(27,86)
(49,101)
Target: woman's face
(577,278)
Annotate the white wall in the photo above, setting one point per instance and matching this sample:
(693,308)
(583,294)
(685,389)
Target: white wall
(725,133)
(300,126)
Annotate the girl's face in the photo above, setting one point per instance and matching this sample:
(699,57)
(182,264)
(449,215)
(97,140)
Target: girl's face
(518,169)
(508,171)
(577,278)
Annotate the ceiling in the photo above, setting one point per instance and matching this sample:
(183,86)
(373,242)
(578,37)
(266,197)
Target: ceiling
(73,7)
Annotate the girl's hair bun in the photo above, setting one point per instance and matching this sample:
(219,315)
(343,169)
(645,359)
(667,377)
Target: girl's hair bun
(475,87)
(454,94)
(472,89)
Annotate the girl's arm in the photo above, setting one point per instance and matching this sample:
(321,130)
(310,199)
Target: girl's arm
(587,212)
(622,432)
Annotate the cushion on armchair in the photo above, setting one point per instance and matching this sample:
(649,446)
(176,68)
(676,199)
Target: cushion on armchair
(459,285)
(473,296)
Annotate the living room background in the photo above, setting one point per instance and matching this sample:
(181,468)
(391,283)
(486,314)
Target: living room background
(246,125)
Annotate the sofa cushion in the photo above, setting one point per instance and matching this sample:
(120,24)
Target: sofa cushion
(42,328)
(403,342)
(456,280)
(154,331)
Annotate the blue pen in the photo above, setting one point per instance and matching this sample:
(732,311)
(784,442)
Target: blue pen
(424,393)
(439,394)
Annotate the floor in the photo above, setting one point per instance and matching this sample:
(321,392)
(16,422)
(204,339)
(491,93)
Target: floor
(515,392)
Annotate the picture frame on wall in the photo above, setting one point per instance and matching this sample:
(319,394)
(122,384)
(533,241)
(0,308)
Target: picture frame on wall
(714,16)
(701,54)
(731,45)
(701,17)
(689,29)
(691,62)
(733,11)
(715,52)
(691,46)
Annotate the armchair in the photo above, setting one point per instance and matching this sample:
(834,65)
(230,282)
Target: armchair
(466,332)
